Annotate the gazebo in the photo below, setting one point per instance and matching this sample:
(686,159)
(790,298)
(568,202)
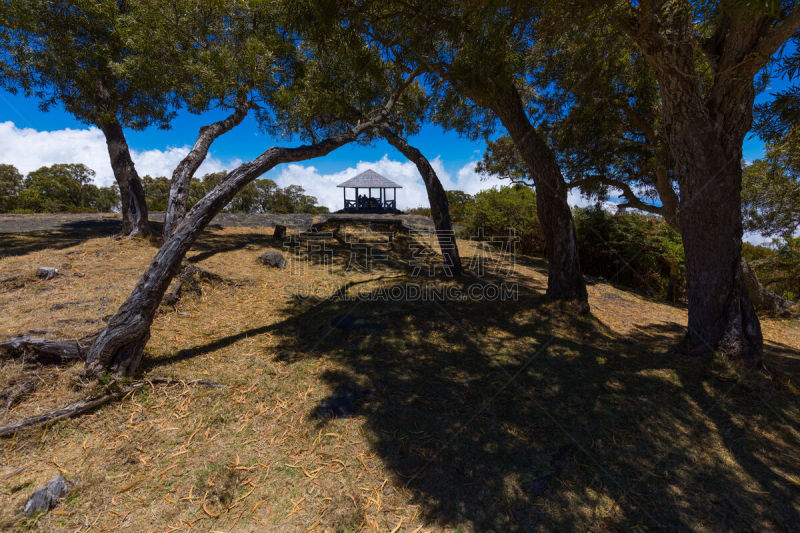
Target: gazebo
(366,203)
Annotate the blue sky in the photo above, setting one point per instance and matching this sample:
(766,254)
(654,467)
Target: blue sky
(30,138)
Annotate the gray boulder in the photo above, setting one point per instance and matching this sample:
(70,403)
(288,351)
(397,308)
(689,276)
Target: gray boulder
(47,497)
(274,259)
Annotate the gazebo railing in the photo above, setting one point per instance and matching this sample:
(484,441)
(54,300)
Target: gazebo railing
(369,204)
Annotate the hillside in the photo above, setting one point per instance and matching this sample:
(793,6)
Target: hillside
(467,414)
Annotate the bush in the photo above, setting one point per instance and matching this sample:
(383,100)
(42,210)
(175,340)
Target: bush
(636,250)
(494,212)
(421,211)
(777,268)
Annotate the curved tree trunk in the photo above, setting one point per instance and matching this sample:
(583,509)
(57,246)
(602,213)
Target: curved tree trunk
(120,346)
(564,280)
(763,298)
(440,211)
(134,207)
(182,176)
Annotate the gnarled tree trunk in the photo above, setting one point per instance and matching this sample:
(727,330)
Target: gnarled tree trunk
(440,211)
(564,280)
(182,176)
(134,207)
(763,298)
(120,346)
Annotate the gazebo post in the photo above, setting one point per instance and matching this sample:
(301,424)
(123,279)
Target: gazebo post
(344,197)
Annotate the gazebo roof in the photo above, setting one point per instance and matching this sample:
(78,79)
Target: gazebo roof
(370,178)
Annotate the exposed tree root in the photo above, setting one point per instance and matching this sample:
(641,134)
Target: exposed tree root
(84,406)
(188,282)
(47,350)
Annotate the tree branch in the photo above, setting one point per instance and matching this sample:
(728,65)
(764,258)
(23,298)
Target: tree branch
(182,176)
(772,41)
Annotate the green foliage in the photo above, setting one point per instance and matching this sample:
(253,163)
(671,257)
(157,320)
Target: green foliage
(156,192)
(261,196)
(635,250)
(777,268)
(10,186)
(771,190)
(54,189)
(495,212)
(458,202)
(421,211)
(74,53)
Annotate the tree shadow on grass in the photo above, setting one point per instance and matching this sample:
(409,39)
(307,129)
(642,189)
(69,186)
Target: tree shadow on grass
(520,415)
(67,235)
(515,416)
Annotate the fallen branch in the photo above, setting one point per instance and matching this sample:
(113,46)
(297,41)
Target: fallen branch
(84,406)
(48,350)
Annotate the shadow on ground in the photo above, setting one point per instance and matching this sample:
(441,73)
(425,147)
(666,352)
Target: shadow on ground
(64,234)
(516,416)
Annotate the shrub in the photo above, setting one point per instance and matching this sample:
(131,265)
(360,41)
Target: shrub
(636,250)
(777,268)
(494,212)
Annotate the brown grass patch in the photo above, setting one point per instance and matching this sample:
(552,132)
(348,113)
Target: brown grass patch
(450,441)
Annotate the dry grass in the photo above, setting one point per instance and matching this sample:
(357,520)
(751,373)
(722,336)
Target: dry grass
(633,434)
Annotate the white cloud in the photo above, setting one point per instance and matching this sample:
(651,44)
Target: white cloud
(405,173)
(29,149)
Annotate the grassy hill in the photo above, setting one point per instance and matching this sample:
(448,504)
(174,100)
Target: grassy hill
(481,415)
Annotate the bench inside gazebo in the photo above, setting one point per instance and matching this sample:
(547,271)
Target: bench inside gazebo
(367,182)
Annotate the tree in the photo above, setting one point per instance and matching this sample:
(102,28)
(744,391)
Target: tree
(316,101)
(473,56)
(771,191)
(599,104)
(705,57)
(458,201)
(10,185)
(156,192)
(62,185)
(440,212)
(74,53)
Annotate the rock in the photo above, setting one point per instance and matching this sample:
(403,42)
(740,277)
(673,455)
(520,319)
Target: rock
(47,497)
(280,232)
(46,272)
(273,258)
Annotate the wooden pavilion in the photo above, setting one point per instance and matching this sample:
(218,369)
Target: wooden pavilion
(368,181)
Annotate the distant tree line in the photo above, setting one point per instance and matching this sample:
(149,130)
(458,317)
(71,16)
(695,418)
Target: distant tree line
(260,196)
(65,187)
(68,188)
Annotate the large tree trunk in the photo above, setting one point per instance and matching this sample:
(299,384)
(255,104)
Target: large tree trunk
(564,280)
(721,314)
(440,211)
(134,207)
(705,135)
(182,176)
(120,346)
